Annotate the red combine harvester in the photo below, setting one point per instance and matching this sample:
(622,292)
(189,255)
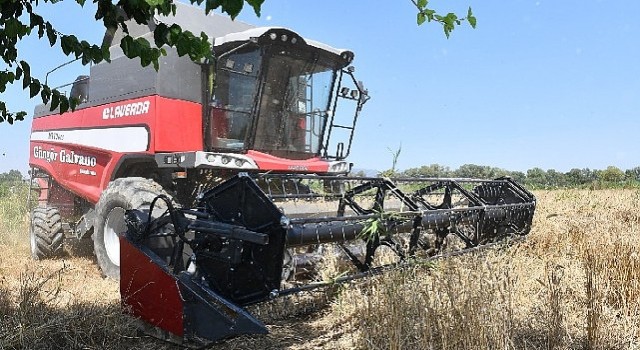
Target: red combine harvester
(138,133)
(205,185)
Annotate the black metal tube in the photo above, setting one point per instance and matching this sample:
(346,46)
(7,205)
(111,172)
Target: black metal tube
(327,230)
(333,231)
(229,231)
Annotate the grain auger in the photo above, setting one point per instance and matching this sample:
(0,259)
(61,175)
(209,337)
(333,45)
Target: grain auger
(190,272)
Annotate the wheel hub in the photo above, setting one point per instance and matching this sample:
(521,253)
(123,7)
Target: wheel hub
(113,226)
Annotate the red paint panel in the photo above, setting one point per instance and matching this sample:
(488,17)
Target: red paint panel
(269,162)
(127,112)
(88,181)
(173,125)
(76,168)
(178,126)
(148,292)
(58,121)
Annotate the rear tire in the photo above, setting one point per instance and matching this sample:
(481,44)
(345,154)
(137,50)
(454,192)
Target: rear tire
(120,195)
(46,233)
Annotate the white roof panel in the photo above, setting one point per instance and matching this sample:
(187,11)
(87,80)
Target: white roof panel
(257,32)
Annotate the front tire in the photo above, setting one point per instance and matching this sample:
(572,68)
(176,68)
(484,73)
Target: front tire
(120,195)
(46,233)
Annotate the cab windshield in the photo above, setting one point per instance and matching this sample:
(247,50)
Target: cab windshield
(277,105)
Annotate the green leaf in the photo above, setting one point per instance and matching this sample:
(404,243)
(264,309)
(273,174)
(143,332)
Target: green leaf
(36,21)
(154,3)
(34,88)
(183,45)
(73,102)
(87,53)
(232,7)
(64,104)
(160,34)
(175,32)
(451,17)
(68,43)
(20,115)
(55,100)
(257,5)
(45,94)
(106,54)
(96,54)
(430,14)
(422,4)
(471,18)
(14,28)
(142,42)
(51,34)
(12,76)
(128,47)
(26,71)
(421,18)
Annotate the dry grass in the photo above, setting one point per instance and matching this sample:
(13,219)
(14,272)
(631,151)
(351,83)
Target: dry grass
(574,284)
(58,304)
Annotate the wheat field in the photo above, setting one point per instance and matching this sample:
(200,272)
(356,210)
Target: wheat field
(573,284)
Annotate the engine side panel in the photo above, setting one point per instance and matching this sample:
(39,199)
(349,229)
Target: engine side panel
(81,149)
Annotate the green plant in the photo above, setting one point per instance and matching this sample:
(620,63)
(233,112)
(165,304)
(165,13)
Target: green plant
(378,225)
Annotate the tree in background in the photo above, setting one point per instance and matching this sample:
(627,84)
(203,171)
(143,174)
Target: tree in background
(479,171)
(21,19)
(536,176)
(611,174)
(8,181)
(518,176)
(433,170)
(575,177)
(633,174)
(555,178)
(11,176)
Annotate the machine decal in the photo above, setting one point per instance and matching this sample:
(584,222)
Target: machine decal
(298,167)
(126,110)
(64,156)
(71,157)
(48,155)
(87,172)
(121,139)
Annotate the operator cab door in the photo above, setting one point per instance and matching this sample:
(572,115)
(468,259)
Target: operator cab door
(235,88)
(296,98)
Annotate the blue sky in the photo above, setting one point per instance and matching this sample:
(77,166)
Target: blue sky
(550,84)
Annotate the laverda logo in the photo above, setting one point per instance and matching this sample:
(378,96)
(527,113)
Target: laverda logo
(130,109)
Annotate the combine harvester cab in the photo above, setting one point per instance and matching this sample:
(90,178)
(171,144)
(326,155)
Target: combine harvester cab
(244,238)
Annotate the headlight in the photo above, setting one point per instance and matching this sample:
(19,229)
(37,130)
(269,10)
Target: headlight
(227,160)
(340,167)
